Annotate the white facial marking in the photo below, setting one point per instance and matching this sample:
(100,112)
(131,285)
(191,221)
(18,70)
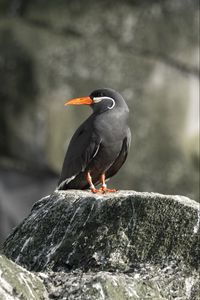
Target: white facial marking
(99,99)
(113,104)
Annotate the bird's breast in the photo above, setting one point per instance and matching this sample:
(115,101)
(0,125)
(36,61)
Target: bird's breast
(111,128)
(107,153)
(103,160)
(111,131)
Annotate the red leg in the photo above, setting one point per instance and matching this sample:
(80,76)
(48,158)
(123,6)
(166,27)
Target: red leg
(104,188)
(89,180)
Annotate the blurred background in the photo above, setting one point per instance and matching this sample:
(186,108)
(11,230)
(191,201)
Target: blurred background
(51,51)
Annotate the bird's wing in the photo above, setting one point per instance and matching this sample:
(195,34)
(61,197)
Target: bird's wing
(121,158)
(83,147)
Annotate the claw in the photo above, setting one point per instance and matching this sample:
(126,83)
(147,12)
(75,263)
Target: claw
(94,190)
(106,190)
(103,189)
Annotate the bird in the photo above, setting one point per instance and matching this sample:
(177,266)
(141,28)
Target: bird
(99,147)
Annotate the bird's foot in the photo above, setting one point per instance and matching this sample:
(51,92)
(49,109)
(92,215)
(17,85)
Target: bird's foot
(94,190)
(105,190)
(102,190)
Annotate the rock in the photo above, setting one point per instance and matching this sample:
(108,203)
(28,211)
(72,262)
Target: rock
(100,285)
(127,245)
(16,283)
(146,282)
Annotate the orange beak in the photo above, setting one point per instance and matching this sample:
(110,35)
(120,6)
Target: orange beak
(79,101)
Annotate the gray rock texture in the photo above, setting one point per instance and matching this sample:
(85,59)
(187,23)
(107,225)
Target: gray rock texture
(127,245)
(16,283)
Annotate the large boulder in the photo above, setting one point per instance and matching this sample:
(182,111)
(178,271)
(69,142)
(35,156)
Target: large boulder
(128,244)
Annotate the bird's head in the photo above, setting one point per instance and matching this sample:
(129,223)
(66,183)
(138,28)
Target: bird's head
(101,100)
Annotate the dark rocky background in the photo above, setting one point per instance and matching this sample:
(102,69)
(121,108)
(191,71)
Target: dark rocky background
(51,51)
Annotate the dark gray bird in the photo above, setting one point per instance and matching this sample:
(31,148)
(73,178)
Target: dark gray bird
(100,145)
